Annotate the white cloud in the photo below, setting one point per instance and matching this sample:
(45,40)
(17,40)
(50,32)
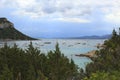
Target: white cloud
(64,9)
(78,20)
(111,11)
(113,17)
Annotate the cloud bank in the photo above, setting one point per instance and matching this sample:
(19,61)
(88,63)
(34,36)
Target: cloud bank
(65,10)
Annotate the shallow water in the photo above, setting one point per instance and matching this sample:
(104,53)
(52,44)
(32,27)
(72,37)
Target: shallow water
(69,47)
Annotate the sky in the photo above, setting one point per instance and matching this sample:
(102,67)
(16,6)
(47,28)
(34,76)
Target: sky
(62,18)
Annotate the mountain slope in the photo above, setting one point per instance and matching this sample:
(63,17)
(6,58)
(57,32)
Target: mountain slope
(92,37)
(96,37)
(7,31)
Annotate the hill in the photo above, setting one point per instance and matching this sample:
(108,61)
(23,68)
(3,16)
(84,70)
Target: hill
(93,37)
(8,32)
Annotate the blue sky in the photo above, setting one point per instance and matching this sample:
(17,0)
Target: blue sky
(62,18)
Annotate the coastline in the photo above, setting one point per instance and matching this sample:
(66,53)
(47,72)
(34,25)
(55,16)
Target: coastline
(90,54)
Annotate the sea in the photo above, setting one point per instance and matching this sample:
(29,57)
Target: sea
(68,47)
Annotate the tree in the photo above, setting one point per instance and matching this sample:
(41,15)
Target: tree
(114,75)
(30,73)
(34,54)
(107,59)
(30,64)
(6,73)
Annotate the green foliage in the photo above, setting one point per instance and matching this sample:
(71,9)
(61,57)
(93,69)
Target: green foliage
(108,59)
(60,67)
(6,74)
(12,33)
(31,64)
(104,76)
(30,73)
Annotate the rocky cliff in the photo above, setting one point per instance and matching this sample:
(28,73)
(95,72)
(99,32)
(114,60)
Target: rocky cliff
(8,31)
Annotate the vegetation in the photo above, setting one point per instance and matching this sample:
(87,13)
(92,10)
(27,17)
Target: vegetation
(13,34)
(31,64)
(106,65)
(7,31)
(115,75)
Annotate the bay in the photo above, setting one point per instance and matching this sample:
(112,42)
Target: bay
(69,47)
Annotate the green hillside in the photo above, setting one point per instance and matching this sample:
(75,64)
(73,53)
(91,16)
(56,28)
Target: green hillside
(8,32)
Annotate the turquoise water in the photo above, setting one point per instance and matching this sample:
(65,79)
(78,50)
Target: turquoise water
(69,47)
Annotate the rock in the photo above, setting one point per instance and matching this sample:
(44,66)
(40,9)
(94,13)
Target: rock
(4,23)
(8,32)
(90,54)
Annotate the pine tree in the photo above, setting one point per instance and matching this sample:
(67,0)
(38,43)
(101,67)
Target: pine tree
(34,54)
(6,73)
(30,73)
(41,76)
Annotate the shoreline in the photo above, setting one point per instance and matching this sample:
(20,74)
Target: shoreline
(90,54)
